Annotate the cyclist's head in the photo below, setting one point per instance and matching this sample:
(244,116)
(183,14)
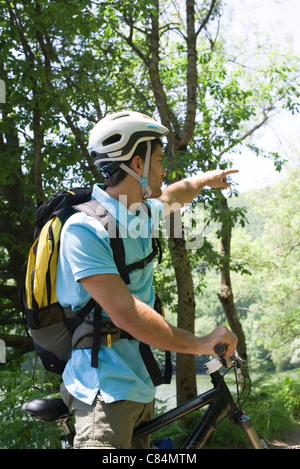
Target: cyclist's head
(119,173)
(116,139)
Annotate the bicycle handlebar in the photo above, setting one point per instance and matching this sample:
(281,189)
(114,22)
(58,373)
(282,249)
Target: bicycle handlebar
(220,349)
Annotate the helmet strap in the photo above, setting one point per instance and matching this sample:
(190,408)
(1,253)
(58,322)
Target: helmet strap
(146,191)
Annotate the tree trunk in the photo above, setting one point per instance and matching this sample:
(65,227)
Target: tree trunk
(185,363)
(226,295)
(37,152)
(178,139)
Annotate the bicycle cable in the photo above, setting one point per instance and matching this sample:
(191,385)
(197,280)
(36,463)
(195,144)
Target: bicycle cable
(238,404)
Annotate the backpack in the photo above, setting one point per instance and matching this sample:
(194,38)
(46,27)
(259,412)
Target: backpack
(56,330)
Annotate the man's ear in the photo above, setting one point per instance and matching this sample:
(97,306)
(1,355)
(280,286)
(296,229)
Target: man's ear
(137,164)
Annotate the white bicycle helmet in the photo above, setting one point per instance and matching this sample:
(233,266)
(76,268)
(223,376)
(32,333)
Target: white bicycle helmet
(115,138)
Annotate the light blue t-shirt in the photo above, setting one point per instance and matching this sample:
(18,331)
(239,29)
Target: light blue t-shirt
(84,251)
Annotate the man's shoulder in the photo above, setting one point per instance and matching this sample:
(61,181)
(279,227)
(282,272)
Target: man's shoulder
(83,224)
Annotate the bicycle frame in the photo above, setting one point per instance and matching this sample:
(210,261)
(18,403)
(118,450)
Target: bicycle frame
(220,401)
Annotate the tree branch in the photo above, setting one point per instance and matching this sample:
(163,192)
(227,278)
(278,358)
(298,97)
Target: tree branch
(207,17)
(78,136)
(8,292)
(245,135)
(191,76)
(18,342)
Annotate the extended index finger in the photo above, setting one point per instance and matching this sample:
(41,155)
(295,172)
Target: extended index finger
(230,171)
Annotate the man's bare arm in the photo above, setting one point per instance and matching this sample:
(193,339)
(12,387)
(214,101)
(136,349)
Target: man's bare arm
(183,192)
(145,324)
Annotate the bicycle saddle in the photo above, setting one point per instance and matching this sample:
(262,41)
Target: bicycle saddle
(49,410)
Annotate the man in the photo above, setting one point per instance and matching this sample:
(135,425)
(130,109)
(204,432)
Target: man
(110,401)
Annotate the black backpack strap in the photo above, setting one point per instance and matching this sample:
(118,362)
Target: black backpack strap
(119,256)
(75,320)
(152,367)
(141,264)
(150,362)
(168,368)
(97,336)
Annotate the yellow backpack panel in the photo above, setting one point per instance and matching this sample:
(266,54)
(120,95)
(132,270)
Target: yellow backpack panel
(40,280)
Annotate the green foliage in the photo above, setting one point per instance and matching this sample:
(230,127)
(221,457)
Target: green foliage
(269,299)
(289,391)
(18,430)
(270,404)
(66,64)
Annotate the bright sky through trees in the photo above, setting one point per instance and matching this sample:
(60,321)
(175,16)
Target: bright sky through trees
(281,19)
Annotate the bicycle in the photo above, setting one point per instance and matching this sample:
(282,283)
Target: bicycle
(220,402)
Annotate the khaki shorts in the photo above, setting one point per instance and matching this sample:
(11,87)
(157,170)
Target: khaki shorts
(107,426)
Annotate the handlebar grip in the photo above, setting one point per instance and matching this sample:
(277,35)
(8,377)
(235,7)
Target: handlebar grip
(220,349)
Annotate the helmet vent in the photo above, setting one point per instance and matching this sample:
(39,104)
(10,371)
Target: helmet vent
(122,114)
(112,139)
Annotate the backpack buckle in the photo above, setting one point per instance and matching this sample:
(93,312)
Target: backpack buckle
(108,338)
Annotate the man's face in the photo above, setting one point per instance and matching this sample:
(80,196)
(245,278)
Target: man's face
(156,172)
